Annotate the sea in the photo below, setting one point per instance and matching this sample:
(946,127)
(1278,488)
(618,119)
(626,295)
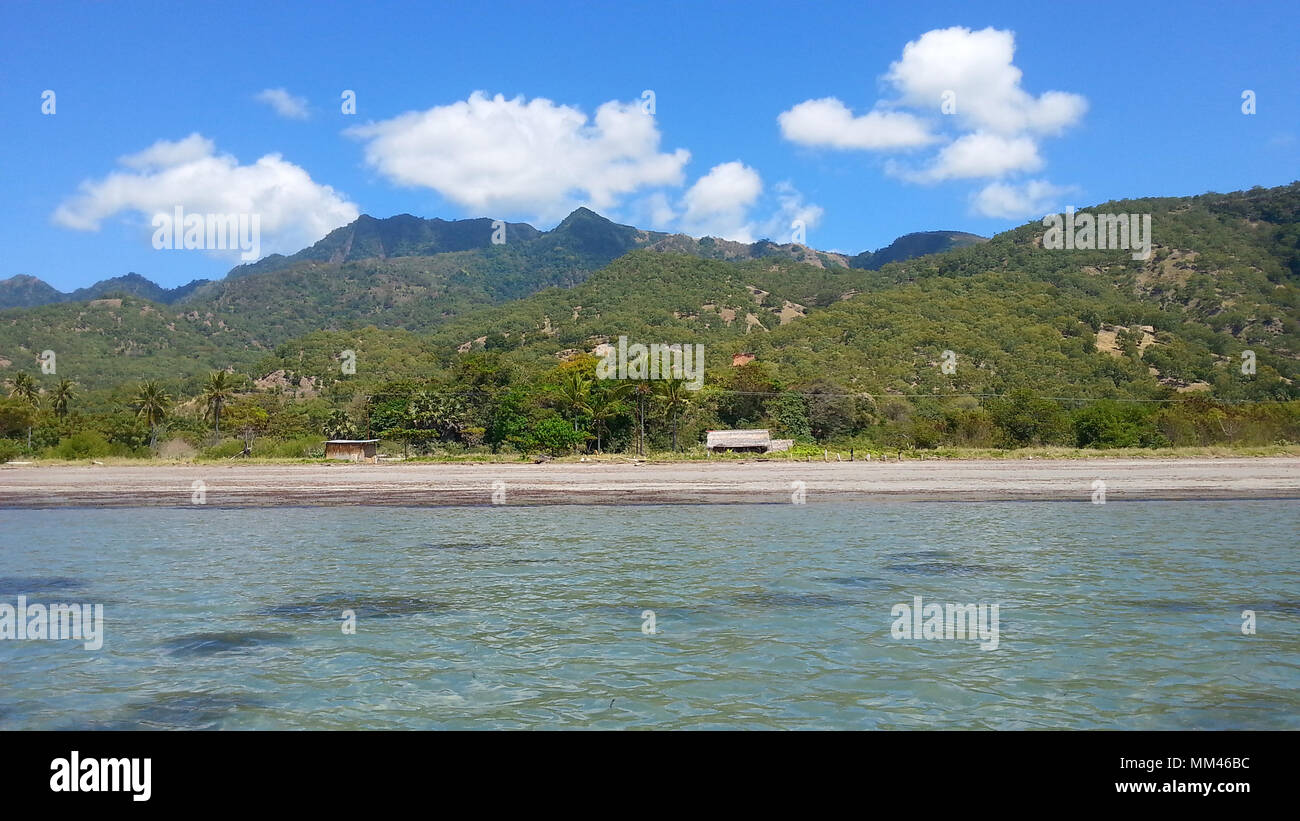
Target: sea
(1127,615)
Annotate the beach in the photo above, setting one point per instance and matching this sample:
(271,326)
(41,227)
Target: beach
(716,482)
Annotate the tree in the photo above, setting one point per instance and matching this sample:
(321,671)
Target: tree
(1025,419)
(217,391)
(152,403)
(831,412)
(248,418)
(443,415)
(789,413)
(673,393)
(606,404)
(15,417)
(575,395)
(339,426)
(23,388)
(748,387)
(61,396)
(508,420)
(1110,424)
(554,436)
(643,391)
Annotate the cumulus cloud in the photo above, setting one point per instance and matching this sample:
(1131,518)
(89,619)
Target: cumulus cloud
(718,203)
(731,202)
(294,210)
(791,209)
(284,103)
(958,89)
(1007,201)
(977,67)
(828,122)
(514,156)
(981,155)
(540,159)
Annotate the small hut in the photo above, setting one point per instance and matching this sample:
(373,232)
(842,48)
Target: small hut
(353,450)
(739,441)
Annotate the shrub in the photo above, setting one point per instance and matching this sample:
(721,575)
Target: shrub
(224,450)
(556,436)
(84,445)
(1111,424)
(176,449)
(301,447)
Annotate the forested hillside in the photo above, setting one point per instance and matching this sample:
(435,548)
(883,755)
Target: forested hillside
(994,344)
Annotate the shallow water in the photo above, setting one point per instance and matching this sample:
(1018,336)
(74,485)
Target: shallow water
(1125,615)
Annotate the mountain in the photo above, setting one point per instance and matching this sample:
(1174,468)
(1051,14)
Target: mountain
(1222,282)
(526,260)
(400,236)
(400,272)
(915,245)
(1204,333)
(23,291)
(28,291)
(133,284)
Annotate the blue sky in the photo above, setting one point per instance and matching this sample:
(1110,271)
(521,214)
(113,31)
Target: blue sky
(763,113)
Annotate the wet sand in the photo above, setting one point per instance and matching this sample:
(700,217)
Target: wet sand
(718,482)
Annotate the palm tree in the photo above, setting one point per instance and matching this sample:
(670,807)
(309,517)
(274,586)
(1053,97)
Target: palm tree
(643,390)
(607,404)
(152,402)
(217,391)
(442,414)
(672,392)
(575,395)
(61,396)
(23,388)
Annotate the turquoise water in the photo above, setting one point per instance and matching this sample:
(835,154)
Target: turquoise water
(1125,615)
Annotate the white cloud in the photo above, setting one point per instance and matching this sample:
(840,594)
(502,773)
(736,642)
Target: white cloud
(166,153)
(992,131)
(981,155)
(1006,201)
(792,207)
(284,103)
(718,203)
(294,210)
(977,66)
(829,123)
(729,202)
(535,158)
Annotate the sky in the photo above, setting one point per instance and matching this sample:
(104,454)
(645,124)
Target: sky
(841,124)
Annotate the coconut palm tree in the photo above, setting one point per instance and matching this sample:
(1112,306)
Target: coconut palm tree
(607,404)
(575,395)
(23,388)
(152,403)
(61,396)
(673,393)
(642,391)
(217,391)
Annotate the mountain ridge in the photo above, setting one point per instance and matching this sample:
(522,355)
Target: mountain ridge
(593,239)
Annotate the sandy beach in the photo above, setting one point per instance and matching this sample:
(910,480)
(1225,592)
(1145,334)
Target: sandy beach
(670,483)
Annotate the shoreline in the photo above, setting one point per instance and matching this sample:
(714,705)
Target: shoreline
(604,483)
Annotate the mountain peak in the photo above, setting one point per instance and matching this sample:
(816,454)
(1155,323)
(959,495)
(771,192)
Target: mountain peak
(583,215)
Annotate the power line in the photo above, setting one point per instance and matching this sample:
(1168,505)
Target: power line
(879,396)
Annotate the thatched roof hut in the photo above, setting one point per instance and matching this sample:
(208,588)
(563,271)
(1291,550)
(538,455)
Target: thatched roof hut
(745,441)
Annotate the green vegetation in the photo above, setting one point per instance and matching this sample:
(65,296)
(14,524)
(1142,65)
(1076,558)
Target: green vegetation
(1086,350)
